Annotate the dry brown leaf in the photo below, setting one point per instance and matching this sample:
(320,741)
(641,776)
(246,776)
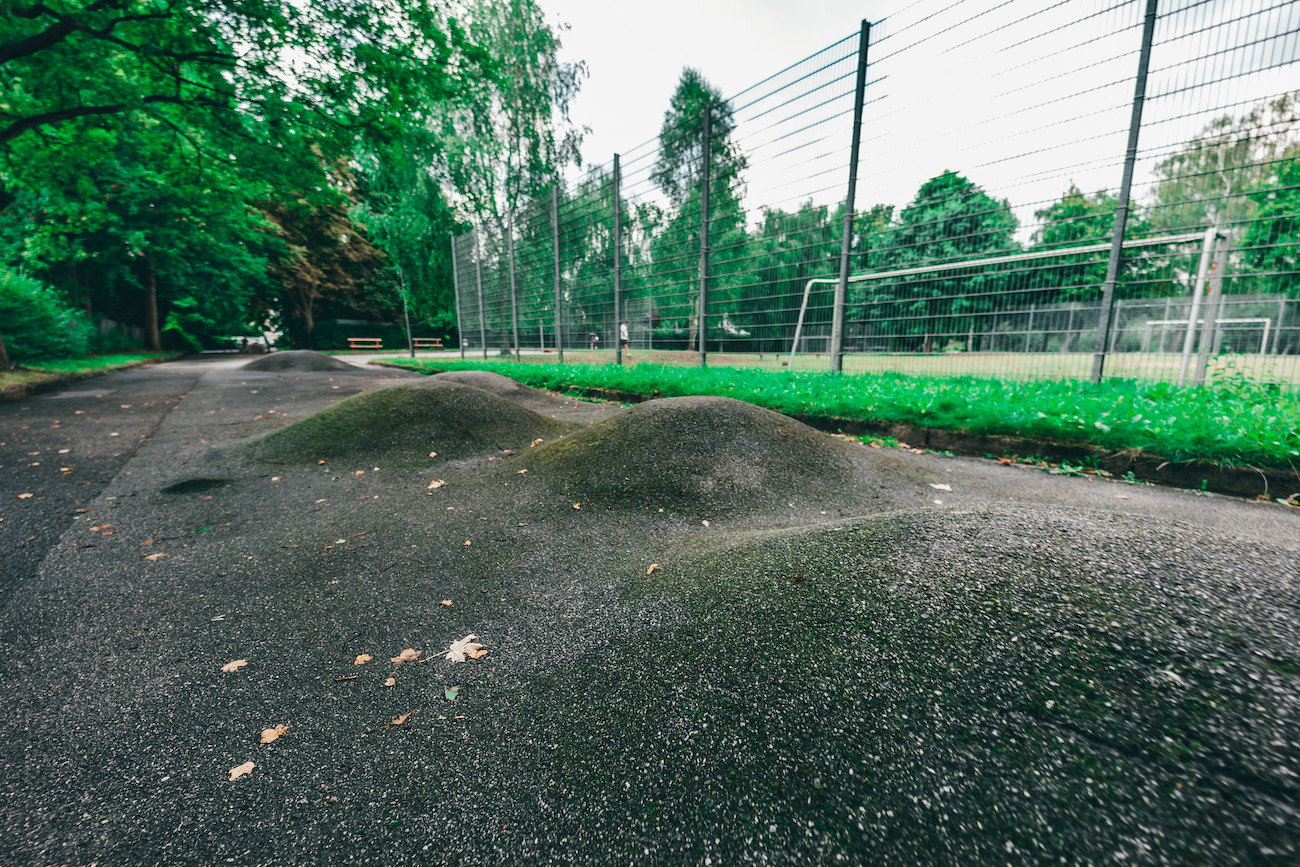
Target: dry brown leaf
(536,442)
(234,666)
(100,527)
(157,556)
(447,602)
(276,478)
(392,681)
(359,473)
(465,647)
(242,771)
(467,543)
(653,567)
(407,655)
(362,659)
(25,496)
(1121,497)
(148,542)
(521,472)
(437,483)
(269,735)
(433,454)
(577,505)
(403,718)
(319,501)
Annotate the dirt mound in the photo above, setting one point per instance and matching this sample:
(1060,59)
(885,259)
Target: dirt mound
(493,383)
(704,455)
(405,422)
(299,361)
(565,409)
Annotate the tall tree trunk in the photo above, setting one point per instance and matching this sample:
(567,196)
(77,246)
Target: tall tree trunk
(309,323)
(4,354)
(151,338)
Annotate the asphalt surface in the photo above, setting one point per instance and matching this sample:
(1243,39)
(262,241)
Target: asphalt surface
(1034,669)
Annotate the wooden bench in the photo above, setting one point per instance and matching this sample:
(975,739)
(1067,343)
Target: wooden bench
(365,343)
(428,343)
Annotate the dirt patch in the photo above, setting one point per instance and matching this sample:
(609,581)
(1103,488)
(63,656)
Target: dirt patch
(299,361)
(404,423)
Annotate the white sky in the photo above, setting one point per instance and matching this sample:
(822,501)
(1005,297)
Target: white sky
(635,53)
(1024,98)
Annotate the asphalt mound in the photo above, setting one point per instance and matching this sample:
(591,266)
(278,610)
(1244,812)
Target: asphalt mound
(299,361)
(705,455)
(405,422)
(565,409)
(493,383)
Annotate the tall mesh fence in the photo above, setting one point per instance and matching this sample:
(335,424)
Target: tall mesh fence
(993,144)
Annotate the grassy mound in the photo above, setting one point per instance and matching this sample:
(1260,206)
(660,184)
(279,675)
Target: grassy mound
(405,422)
(299,361)
(706,455)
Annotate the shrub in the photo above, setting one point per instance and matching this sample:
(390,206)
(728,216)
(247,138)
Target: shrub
(35,323)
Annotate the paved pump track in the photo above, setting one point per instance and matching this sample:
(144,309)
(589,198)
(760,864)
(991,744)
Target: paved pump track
(714,636)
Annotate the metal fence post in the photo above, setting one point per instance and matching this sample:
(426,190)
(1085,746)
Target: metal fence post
(455,286)
(1121,205)
(707,159)
(846,244)
(478,271)
(618,265)
(555,226)
(514,297)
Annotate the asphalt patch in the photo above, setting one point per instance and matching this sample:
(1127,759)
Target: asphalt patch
(299,361)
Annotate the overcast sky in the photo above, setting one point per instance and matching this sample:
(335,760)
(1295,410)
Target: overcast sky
(635,53)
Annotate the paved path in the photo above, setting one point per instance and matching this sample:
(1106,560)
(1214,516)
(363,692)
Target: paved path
(612,720)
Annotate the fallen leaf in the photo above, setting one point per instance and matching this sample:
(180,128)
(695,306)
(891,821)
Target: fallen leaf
(242,771)
(536,442)
(319,501)
(276,478)
(874,445)
(1121,497)
(217,618)
(446,602)
(437,483)
(433,454)
(392,681)
(397,721)
(577,505)
(25,496)
(84,510)
(318,463)
(467,541)
(941,487)
(359,473)
(465,647)
(705,523)
(234,666)
(100,527)
(451,693)
(269,735)
(521,472)
(64,451)
(918,451)
(362,659)
(126,406)
(407,655)
(157,556)
(938,502)
(653,566)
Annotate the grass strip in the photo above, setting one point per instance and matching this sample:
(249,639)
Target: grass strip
(37,372)
(1237,423)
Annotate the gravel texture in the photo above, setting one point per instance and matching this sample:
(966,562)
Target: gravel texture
(907,683)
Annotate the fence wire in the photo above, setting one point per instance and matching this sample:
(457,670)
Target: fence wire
(992,151)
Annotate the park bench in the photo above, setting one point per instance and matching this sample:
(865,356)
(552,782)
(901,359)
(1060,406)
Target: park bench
(428,343)
(365,343)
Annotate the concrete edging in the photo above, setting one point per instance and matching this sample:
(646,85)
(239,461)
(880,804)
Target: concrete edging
(25,391)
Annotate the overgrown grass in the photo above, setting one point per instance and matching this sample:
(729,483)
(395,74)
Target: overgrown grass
(43,371)
(1240,422)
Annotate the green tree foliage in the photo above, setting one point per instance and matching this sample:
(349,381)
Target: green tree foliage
(951,219)
(1270,245)
(674,230)
(35,324)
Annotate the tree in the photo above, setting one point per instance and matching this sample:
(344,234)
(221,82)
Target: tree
(951,219)
(675,230)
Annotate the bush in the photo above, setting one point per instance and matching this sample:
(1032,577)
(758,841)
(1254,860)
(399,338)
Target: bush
(35,323)
(112,341)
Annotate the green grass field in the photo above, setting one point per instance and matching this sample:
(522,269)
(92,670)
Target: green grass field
(1239,422)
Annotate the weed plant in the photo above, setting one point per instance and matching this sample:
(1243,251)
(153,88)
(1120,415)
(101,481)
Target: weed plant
(1234,423)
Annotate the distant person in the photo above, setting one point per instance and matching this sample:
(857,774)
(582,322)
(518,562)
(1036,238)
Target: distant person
(622,336)
(243,344)
(594,340)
